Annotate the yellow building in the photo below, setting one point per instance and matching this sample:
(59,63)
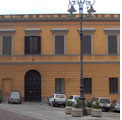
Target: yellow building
(40,55)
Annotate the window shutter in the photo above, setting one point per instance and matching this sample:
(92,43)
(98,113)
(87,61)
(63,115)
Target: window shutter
(59,44)
(27,45)
(87,85)
(113,85)
(39,45)
(59,85)
(33,45)
(86,44)
(112,44)
(7,45)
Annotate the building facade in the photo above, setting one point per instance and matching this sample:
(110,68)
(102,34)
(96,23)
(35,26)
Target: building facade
(40,55)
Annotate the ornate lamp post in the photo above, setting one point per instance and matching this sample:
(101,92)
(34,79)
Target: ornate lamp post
(89,4)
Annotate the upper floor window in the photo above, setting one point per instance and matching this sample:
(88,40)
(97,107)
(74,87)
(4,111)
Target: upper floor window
(87,44)
(32,45)
(59,44)
(112,44)
(113,85)
(7,45)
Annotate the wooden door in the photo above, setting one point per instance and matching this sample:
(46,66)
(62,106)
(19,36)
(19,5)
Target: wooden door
(32,86)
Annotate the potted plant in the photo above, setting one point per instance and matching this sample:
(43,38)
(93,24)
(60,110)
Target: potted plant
(77,109)
(68,107)
(96,111)
(89,106)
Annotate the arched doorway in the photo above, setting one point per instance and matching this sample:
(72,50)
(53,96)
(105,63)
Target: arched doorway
(32,86)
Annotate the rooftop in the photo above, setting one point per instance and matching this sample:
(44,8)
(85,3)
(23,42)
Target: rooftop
(58,17)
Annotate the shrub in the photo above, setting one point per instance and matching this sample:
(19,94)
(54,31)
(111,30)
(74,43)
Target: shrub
(69,103)
(78,104)
(96,104)
(89,103)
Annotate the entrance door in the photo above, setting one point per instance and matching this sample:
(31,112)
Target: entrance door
(32,86)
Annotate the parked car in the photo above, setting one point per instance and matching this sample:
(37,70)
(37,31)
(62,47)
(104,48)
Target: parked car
(104,103)
(73,98)
(57,99)
(14,97)
(115,106)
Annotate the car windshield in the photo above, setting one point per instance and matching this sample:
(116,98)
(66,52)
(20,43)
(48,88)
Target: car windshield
(15,95)
(103,100)
(60,96)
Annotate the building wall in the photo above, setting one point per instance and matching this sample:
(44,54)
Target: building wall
(99,73)
(99,65)
(72,36)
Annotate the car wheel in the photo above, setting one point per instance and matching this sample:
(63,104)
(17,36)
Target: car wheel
(106,110)
(115,110)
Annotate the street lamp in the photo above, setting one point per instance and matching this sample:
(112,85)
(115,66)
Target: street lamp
(89,4)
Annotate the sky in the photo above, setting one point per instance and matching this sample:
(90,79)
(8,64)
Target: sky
(54,6)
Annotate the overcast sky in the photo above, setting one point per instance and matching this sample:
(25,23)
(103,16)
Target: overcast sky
(52,6)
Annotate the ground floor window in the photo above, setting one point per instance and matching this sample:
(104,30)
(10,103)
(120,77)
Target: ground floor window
(87,85)
(113,85)
(59,85)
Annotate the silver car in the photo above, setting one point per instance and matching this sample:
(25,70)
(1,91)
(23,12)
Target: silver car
(104,103)
(14,97)
(73,98)
(57,99)
(115,106)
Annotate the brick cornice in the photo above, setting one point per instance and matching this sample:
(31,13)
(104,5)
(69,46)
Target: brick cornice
(58,17)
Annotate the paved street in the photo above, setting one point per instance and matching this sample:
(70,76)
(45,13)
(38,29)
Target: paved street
(35,111)
(7,115)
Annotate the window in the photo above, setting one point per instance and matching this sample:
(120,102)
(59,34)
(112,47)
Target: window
(112,44)
(59,85)
(87,85)
(113,85)
(86,44)
(7,45)
(59,44)
(60,96)
(32,45)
